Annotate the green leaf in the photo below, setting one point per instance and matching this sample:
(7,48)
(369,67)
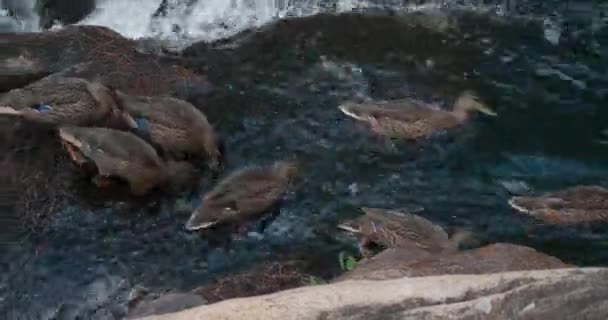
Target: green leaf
(341,260)
(350,263)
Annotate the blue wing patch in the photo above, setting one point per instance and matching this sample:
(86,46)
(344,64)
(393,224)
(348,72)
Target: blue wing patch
(41,107)
(142,124)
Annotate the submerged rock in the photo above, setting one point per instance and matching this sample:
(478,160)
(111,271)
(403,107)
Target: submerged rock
(545,294)
(268,278)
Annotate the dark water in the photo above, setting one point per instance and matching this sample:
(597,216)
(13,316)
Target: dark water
(550,102)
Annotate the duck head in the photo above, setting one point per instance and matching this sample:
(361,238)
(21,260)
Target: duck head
(18,102)
(214,146)
(469,102)
(351,225)
(208,214)
(71,135)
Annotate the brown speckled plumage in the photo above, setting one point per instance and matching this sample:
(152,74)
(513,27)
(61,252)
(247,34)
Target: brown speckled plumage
(579,204)
(393,228)
(243,195)
(174,125)
(413,119)
(73,101)
(120,154)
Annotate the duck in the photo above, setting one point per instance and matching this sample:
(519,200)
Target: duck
(575,205)
(413,119)
(61,101)
(174,126)
(122,154)
(392,228)
(244,194)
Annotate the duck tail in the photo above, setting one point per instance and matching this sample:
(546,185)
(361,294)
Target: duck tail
(8,111)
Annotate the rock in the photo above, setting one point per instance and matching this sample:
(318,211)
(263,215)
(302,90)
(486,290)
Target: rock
(63,11)
(500,257)
(268,278)
(295,43)
(34,55)
(543,294)
(167,303)
(94,53)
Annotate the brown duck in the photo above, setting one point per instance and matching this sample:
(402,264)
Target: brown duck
(174,125)
(61,101)
(393,228)
(579,204)
(123,155)
(413,119)
(243,195)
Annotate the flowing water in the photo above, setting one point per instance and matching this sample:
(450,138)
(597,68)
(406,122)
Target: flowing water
(549,99)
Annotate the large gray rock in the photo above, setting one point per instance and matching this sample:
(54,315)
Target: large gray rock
(413,262)
(544,294)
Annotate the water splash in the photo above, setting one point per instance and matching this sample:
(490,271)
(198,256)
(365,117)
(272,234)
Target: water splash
(19,15)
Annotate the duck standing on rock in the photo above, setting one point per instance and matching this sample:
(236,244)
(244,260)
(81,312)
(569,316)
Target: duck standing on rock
(576,205)
(412,119)
(124,155)
(61,101)
(175,126)
(394,228)
(243,195)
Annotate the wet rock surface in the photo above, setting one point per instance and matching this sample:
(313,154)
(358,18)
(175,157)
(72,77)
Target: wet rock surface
(402,262)
(545,294)
(93,53)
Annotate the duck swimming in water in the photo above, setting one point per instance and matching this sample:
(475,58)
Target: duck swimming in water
(575,205)
(412,119)
(173,125)
(394,228)
(243,195)
(61,101)
(124,155)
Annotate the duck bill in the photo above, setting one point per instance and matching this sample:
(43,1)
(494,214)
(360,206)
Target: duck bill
(348,110)
(9,111)
(69,138)
(194,226)
(488,111)
(348,228)
(513,203)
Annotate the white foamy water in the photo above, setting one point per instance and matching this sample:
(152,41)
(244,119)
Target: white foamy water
(205,20)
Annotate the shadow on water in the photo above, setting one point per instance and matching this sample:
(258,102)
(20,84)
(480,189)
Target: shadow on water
(280,91)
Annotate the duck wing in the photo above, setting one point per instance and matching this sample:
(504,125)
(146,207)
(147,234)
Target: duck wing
(163,110)
(119,145)
(410,228)
(245,188)
(406,110)
(582,197)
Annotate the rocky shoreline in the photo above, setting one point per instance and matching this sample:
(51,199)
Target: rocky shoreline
(492,281)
